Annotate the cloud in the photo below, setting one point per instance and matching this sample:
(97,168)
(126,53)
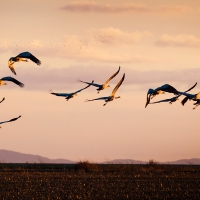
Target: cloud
(181,40)
(91,6)
(102,45)
(94,7)
(65,79)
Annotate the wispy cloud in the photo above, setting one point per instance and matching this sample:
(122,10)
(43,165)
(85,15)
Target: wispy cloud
(103,45)
(94,7)
(181,40)
(65,79)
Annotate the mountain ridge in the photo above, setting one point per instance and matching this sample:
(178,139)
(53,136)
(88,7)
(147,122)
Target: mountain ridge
(7,156)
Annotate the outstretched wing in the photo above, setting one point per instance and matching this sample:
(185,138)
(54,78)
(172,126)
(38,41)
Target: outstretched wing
(9,78)
(83,88)
(168,88)
(11,120)
(29,56)
(118,85)
(10,65)
(59,94)
(148,97)
(191,87)
(184,101)
(2,100)
(166,100)
(113,76)
(93,84)
(100,98)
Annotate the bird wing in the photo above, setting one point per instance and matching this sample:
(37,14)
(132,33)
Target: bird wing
(83,88)
(2,100)
(168,88)
(112,76)
(29,56)
(118,85)
(10,65)
(184,100)
(149,93)
(9,78)
(100,98)
(165,100)
(11,120)
(59,94)
(191,87)
(94,84)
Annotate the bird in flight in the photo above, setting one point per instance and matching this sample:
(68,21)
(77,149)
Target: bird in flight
(104,85)
(20,57)
(174,99)
(69,95)
(112,96)
(11,120)
(161,90)
(190,97)
(9,78)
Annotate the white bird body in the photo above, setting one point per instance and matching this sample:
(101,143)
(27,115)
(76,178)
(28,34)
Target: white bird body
(112,96)
(9,78)
(104,85)
(69,95)
(21,57)
(11,120)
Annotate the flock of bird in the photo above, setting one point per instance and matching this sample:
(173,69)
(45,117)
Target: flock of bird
(170,89)
(24,56)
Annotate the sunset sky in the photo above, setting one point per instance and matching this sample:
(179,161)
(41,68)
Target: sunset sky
(154,42)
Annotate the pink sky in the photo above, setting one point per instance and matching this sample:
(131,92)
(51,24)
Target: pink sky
(154,43)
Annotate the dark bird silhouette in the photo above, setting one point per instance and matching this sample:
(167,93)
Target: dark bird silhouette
(174,99)
(21,57)
(11,120)
(69,95)
(11,79)
(2,100)
(112,96)
(104,85)
(161,90)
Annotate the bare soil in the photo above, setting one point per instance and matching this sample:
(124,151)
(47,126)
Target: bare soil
(93,181)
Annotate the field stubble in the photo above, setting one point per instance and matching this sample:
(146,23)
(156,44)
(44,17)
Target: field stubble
(93,181)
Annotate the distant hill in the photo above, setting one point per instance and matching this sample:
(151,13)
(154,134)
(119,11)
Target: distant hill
(192,161)
(15,157)
(7,156)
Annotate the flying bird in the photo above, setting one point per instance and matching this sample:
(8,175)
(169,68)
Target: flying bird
(174,99)
(69,95)
(104,85)
(161,90)
(112,96)
(20,57)
(9,78)
(190,97)
(14,119)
